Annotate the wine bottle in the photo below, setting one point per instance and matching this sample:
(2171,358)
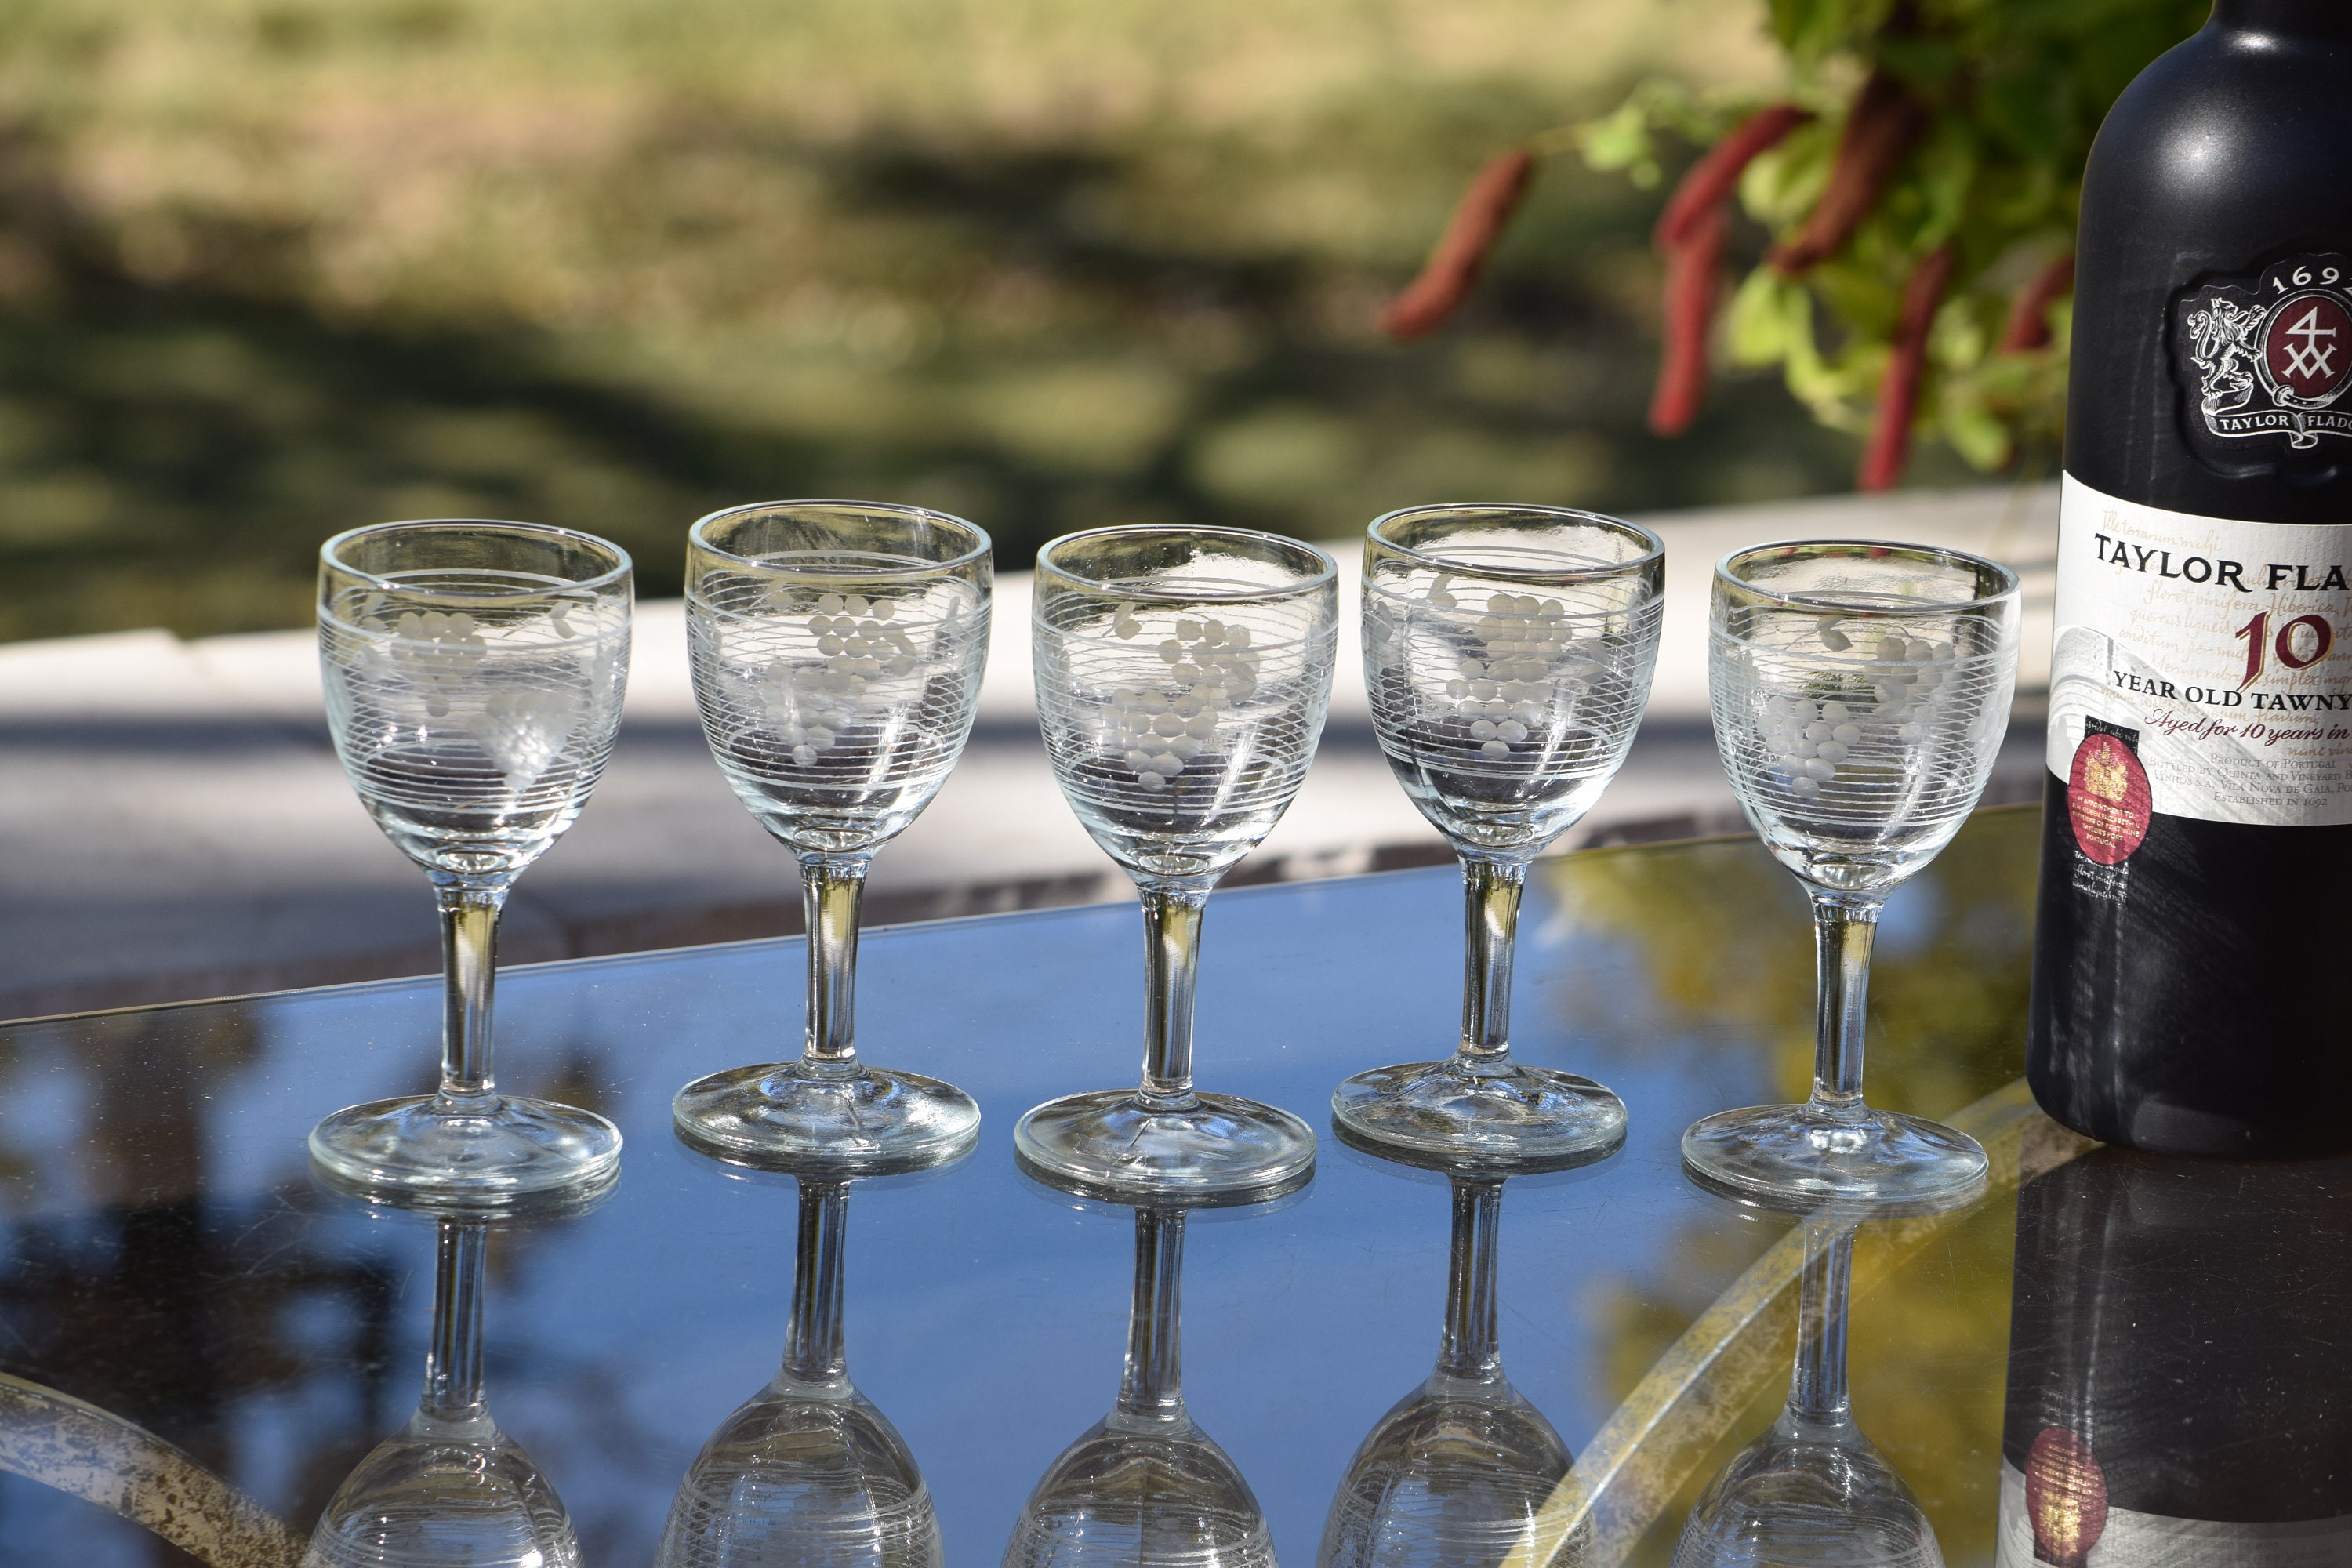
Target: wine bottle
(2197,843)
(2178,1393)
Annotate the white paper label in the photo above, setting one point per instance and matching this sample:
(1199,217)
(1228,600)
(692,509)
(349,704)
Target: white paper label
(2219,649)
(2129,1540)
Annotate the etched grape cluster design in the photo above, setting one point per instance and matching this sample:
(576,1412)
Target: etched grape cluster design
(836,712)
(1506,672)
(1504,708)
(1872,733)
(474,737)
(1179,731)
(857,640)
(1811,739)
(1158,727)
(520,688)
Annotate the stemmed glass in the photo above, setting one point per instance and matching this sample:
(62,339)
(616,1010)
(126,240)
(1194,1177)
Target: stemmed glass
(837,649)
(1861,691)
(1508,653)
(1811,1489)
(1455,1473)
(1145,1485)
(1182,676)
(806,1470)
(474,674)
(449,1489)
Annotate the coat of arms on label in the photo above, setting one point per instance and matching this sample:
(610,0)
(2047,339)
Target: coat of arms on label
(2271,356)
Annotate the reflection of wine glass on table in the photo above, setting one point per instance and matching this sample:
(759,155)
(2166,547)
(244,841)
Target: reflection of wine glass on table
(1144,1487)
(806,1470)
(450,1489)
(1453,1475)
(1811,1489)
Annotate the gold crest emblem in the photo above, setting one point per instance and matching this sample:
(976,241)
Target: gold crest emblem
(2106,777)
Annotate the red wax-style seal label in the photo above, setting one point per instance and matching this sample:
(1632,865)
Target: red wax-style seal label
(2065,1490)
(2108,799)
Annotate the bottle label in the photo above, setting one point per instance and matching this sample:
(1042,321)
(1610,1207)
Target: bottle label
(2267,358)
(2200,670)
(2073,1536)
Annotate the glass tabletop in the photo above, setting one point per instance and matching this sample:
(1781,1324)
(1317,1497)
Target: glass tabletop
(202,1344)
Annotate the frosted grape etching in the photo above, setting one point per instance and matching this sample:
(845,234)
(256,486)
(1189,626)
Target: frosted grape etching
(466,730)
(857,642)
(1180,732)
(1159,728)
(836,714)
(1863,737)
(1504,714)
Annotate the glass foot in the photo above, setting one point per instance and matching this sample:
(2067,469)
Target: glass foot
(431,1147)
(1111,1142)
(1795,1153)
(1503,1115)
(866,1122)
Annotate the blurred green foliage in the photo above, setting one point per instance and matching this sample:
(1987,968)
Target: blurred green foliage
(2014,90)
(1723,934)
(273,267)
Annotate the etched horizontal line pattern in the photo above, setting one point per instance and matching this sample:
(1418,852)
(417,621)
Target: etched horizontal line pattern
(1501,689)
(1891,735)
(846,706)
(1183,721)
(474,723)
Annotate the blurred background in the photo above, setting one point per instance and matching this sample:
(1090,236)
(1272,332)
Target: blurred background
(270,268)
(273,269)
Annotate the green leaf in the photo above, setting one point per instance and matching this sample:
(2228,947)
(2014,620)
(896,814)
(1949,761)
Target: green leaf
(2016,90)
(1976,433)
(1946,169)
(1769,316)
(1780,186)
(1621,139)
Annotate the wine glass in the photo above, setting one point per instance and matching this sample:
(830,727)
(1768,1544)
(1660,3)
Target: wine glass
(1455,1473)
(1861,691)
(1182,676)
(1508,651)
(1145,1485)
(837,649)
(449,1489)
(474,674)
(806,1470)
(1811,1489)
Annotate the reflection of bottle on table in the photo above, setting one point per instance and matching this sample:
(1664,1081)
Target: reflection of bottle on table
(2180,1387)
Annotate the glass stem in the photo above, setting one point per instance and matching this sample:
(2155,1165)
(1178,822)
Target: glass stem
(1471,1348)
(1490,912)
(1817,1386)
(453,1364)
(813,1343)
(1843,927)
(1152,1383)
(1172,964)
(469,961)
(832,885)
